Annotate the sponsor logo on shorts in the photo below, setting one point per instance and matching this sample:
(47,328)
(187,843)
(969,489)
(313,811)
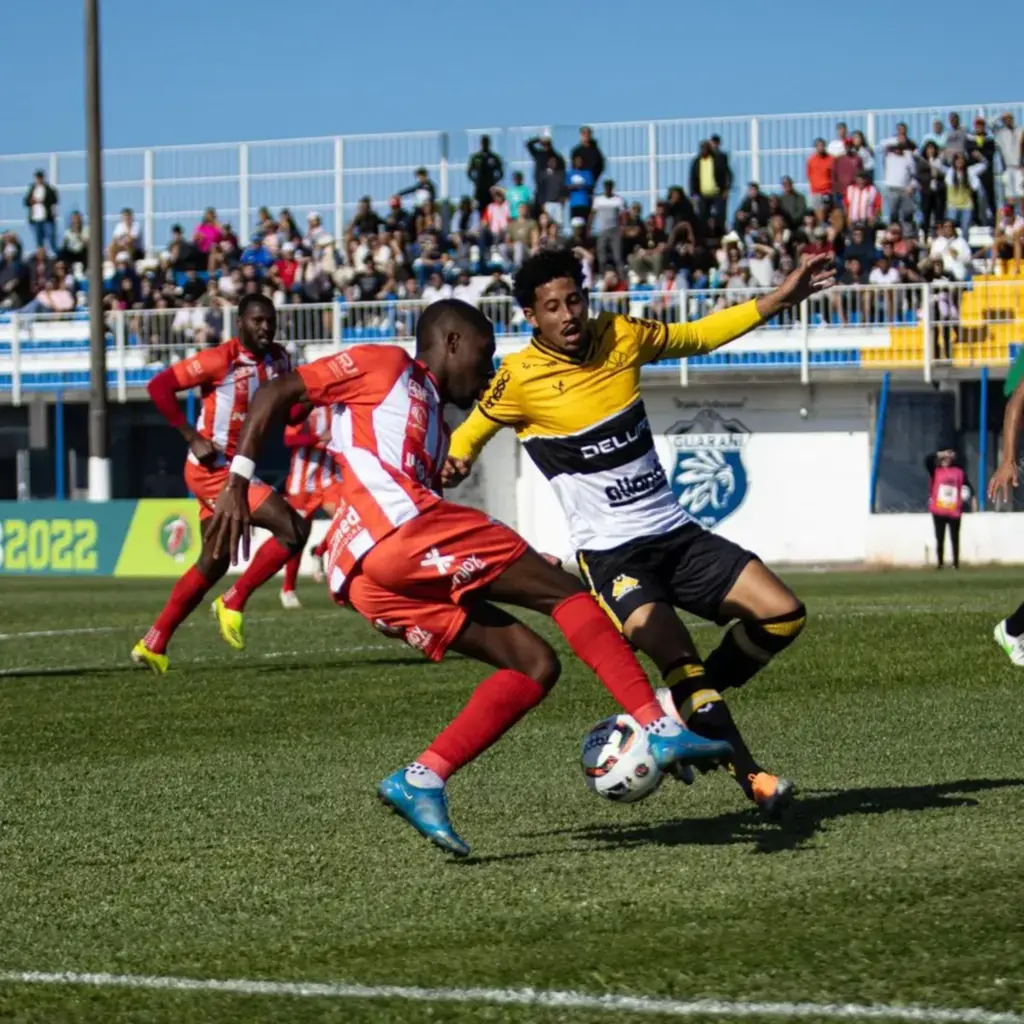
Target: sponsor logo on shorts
(467,570)
(418,637)
(630,490)
(623,585)
(175,536)
(434,559)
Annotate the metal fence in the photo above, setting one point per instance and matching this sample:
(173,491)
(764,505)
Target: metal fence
(171,184)
(915,328)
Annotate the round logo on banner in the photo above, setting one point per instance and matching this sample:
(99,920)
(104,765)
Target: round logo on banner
(175,537)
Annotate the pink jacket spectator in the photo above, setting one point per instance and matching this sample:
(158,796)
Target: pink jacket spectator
(207,235)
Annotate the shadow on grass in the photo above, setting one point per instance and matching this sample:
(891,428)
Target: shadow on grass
(806,819)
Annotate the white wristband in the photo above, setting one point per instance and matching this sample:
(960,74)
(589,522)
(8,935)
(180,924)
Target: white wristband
(243,467)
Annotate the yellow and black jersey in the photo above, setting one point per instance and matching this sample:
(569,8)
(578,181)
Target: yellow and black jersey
(584,425)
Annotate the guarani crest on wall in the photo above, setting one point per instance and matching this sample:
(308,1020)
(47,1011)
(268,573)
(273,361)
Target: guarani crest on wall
(707,476)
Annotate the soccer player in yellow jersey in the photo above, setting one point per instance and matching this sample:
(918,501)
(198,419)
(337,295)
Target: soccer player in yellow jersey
(573,398)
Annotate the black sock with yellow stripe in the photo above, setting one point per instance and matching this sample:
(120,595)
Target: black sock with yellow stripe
(750,644)
(705,712)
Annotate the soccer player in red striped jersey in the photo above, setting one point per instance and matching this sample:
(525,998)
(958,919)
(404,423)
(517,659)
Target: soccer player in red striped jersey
(312,485)
(227,376)
(426,570)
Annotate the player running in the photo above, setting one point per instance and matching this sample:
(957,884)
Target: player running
(228,375)
(573,398)
(1009,633)
(312,479)
(425,570)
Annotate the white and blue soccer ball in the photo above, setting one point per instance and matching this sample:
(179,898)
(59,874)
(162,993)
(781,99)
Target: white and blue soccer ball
(617,760)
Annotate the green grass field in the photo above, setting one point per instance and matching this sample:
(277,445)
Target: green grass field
(220,822)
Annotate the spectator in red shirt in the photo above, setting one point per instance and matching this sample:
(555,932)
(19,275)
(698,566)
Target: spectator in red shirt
(820,176)
(286,266)
(844,173)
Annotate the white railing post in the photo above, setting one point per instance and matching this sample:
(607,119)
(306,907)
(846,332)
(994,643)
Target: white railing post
(148,224)
(339,188)
(805,342)
(122,357)
(244,228)
(336,324)
(229,322)
(444,166)
(54,180)
(926,330)
(16,359)
(652,166)
(755,150)
(870,130)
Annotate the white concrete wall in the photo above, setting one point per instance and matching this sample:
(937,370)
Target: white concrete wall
(909,540)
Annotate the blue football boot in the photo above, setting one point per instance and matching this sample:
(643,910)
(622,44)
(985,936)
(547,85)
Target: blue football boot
(425,809)
(686,747)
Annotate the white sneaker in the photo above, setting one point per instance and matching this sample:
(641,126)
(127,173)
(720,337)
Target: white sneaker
(290,600)
(683,772)
(318,569)
(1013,646)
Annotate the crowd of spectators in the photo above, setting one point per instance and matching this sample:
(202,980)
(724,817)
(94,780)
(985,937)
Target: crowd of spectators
(901,211)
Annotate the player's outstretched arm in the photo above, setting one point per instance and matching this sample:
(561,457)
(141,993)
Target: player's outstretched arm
(271,403)
(815,274)
(1007,476)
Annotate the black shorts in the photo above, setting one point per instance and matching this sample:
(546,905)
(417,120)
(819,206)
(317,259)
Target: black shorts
(689,568)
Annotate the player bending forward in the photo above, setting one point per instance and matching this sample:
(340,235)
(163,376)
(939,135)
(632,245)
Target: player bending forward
(312,484)
(228,375)
(573,398)
(424,569)
(1009,633)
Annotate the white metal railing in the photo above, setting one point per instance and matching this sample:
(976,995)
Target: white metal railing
(171,184)
(913,327)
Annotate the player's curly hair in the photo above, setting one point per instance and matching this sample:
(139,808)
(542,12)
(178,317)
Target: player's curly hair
(542,268)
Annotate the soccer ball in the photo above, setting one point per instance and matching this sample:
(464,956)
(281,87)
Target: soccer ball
(617,760)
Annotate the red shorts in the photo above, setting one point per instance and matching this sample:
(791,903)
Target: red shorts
(206,485)
(412,584)
(306,503)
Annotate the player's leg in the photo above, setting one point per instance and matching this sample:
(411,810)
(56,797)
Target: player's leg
(954,540)
(306,506)
(939,522)
(289,532)
(186,595)
(526,669)
(532,582)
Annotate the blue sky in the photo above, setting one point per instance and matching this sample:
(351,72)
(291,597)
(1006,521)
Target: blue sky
(217,70)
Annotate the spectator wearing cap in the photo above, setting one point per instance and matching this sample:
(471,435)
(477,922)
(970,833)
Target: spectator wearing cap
(127,236)
(422,191)
(208,233)
(609,214)
(710,181)
(841,143)
(124,269)
(792,203)
(863,202)
(256,254)
(518,194)
(1010,144)
(820,175)
(41,202)
(589,151)
(981,154)
(899,175)
(485,170)
(398,218)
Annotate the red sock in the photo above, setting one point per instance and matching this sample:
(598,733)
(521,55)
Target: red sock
(267,562)
(291,571)
(600,646)
(188,592)
(321,549)
(494,707)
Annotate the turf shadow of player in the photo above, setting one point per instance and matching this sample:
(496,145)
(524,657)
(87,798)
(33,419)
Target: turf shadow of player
(807,820)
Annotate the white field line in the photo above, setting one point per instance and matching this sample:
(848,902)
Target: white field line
(554,1000)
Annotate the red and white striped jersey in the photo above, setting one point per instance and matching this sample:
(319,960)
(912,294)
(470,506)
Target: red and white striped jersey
(863,203)
(390,439)
(313,467)
(227,376)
